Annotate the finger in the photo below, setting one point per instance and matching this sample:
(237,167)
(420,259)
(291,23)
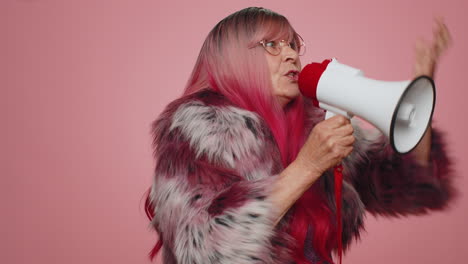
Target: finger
(347,141)
(348,151)
(442,37)
(344,130)
(344,152)
(337,143)
(338,121)
(439,42)
(445,36)
(446,33)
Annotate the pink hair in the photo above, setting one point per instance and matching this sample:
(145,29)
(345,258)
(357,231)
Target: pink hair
(232,63)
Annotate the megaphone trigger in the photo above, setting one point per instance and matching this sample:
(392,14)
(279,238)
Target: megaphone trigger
(332,111)
(329,114)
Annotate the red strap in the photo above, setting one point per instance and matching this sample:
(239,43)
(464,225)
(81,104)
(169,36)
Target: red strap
(338,184)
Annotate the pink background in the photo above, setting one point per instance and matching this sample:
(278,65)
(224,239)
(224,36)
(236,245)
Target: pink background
(82,80)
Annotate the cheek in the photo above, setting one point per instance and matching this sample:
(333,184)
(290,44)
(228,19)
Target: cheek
(273,64)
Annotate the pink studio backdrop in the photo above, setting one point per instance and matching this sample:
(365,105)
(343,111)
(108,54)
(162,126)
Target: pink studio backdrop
(81,82)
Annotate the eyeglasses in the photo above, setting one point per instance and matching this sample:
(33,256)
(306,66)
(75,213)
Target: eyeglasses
(274,47)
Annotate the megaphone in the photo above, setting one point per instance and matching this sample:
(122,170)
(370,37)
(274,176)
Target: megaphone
(402,110)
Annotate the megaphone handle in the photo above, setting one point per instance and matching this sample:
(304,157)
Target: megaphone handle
(332,111)
(329,114)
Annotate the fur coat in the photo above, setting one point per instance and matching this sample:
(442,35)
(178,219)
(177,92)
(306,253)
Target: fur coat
(215,165)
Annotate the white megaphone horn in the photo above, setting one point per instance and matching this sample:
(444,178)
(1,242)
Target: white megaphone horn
(402,110)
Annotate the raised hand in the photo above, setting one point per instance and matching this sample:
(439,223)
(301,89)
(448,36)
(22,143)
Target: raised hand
(428,53)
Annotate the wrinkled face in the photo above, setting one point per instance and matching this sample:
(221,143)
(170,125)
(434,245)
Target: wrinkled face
(284,70)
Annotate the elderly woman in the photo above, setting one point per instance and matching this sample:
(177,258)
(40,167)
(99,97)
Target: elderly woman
(243,160)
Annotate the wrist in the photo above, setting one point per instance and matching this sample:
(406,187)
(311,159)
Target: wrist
(308,169)
(290,185)
(303,173)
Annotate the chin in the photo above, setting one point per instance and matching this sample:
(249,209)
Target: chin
(287,100)
(293,94)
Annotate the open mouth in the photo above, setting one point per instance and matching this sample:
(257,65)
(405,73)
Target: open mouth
(293,75)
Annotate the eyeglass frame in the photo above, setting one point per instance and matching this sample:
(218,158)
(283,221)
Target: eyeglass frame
(283,43)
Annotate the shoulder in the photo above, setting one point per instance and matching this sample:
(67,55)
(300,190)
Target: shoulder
(211,126)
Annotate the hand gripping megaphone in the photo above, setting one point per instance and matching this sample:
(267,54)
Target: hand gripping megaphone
(402,110)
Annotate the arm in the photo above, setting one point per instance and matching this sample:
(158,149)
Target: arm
(422,152)
(289,187)
(393,184)
(427,54)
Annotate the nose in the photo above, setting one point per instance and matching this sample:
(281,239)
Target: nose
(289,54)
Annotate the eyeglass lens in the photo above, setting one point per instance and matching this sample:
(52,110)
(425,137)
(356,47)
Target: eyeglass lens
(274,47)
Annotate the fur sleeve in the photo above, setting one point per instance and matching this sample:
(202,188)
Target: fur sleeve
(393,184)
(210,185)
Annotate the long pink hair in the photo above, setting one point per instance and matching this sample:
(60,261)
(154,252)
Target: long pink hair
(232,63)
